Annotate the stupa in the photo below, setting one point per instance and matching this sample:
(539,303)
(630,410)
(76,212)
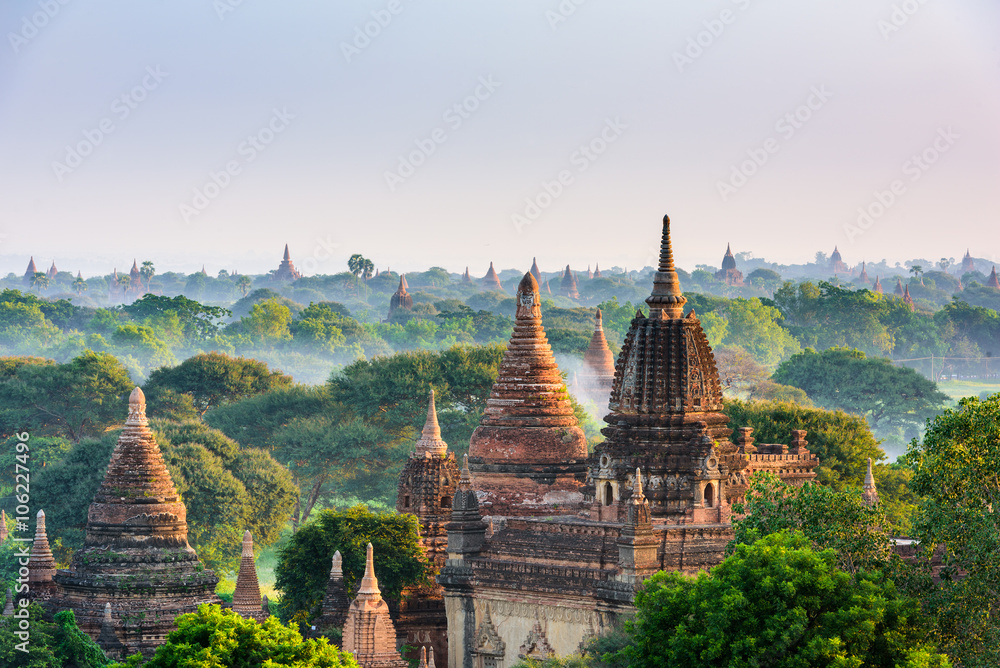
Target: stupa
(52,272)
(863,276)
(878,286)
(597,271)
(401,299)
(528,454)
(369,633)
(246,598)
(535,271)
(869,492)
(286,270)
(30,272)
(568,287)
(729,273)
(992,281)
(968,264)
(907,299)
(837,264)
(41,563)
(491,281)
(333,612)
(135,555)
(599,365)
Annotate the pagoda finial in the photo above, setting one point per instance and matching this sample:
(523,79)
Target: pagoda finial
(430,443)
(369,583)
(430,657)
(666,300)
(423,657)
(599,321)
(247,544)
(136,408)
(287,255)
(336,569)
(637,495)
(869,492)
(465,477)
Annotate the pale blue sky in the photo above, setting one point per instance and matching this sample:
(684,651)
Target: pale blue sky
(554,86)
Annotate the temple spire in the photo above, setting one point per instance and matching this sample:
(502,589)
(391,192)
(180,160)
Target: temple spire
(430,443)
(246,597)
(666,300)
(287,256)
(369,583)
(869,492)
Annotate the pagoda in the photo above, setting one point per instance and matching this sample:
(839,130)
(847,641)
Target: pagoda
(899,287)
(597,271)
(29,273)
(426,489)
(333,611)
(246,597)
(907,299)
(466,278)
(599,365)
(41,563)
(837,264)
(401,299)
(992,281)
(869,492)
(968,264)
(286,270)
(535,271)
(52,272)
(863,276)
(729,273)
(528,454)
(568,286)
(491,281)
(878,286)
(136,554)
(368,632)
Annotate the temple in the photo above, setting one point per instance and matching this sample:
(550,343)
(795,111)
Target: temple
(837,264)
(968,264)
(907,299)
(869,493)
(52,272)
(528,576)
(333,612)
(992,280)
(878,286)
(246,597)
(29,273)
(41,563)
(368,632)
(426,489)
(528,452)
(597,271)
(535,271)
(568,287)
(401,299)
(729,273)
(899,287)
(286,270)
(598,371)
(135,555)
(863,276)
(491,281)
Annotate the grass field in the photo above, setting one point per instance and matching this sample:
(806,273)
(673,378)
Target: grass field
(956,389)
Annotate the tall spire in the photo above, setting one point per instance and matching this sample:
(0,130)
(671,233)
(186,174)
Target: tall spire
(869,492)
(369,583)
(246,597)
(369,633)
(41,564)
(287,256)
(666,300)
(993,282)
(335,602)
(534,270)
(430,443)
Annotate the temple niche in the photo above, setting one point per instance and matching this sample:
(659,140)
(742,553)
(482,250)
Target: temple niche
(135,555)
(729,273)
(531,574)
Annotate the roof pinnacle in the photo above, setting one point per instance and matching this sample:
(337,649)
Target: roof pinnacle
(369,583)
(666,300)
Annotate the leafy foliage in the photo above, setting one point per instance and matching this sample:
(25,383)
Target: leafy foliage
(216,637)
(777,603)
(56,644)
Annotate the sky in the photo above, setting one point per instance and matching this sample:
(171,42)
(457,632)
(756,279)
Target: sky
(422,133)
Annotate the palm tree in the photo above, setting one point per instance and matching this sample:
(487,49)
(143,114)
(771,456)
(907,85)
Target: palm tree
(40,281)
(917,271)
(356,265)
(147,272)
(80,285)
(243,283)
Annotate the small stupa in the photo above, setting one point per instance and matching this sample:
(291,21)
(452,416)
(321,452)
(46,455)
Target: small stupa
(491,281)
(907,299)
(568,287)
(869,493)
(41,564)
(599,365)
(401,299)
(535,271)
(333,612)
(246,598)
(369,633)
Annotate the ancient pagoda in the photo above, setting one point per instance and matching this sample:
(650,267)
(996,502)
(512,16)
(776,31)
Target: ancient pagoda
(899,287)
(837,264)
(52,272)
(466,278)
(729,273)
(368,632)
(863,276)
(426,489)
(246,598)
(597,271)
(992,280)
(869,492)
(286,270)
(135,555)
(568,287)
(491,281)
(878,286)
(528,454)
(333,611)
(535,271)
(41,563)
(907,299)
(29,273)
(598,366)
(401,299)
(968,264)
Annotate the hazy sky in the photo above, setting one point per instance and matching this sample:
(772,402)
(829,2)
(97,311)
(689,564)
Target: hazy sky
(764,123)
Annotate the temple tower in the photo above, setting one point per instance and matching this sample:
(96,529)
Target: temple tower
(30,272)
(368,632)
(491,281)
(528,455)
(899,287)
(286,270)
(568,287)
(41,563)
(907,299)
(597,271)
(427,487)
(333,612)
(52,272)
(878,286)
(666,414)
(246,598)
(466,278)
(599,365)
(863,276)
(401,299)
(968,264)
(135,554)
(729,273)
(869,493)
(993,282)
(837,264)
(535,272)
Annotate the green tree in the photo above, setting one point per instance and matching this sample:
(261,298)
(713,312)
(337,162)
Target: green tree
(756,328)
(40,281)
(216,637)
(53,644)
(892,398)
(777,603)
(200,322)
(213,379)
(80,398)
(243,283)
(303,568)
(147,271)
(957,473)
(79,285)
